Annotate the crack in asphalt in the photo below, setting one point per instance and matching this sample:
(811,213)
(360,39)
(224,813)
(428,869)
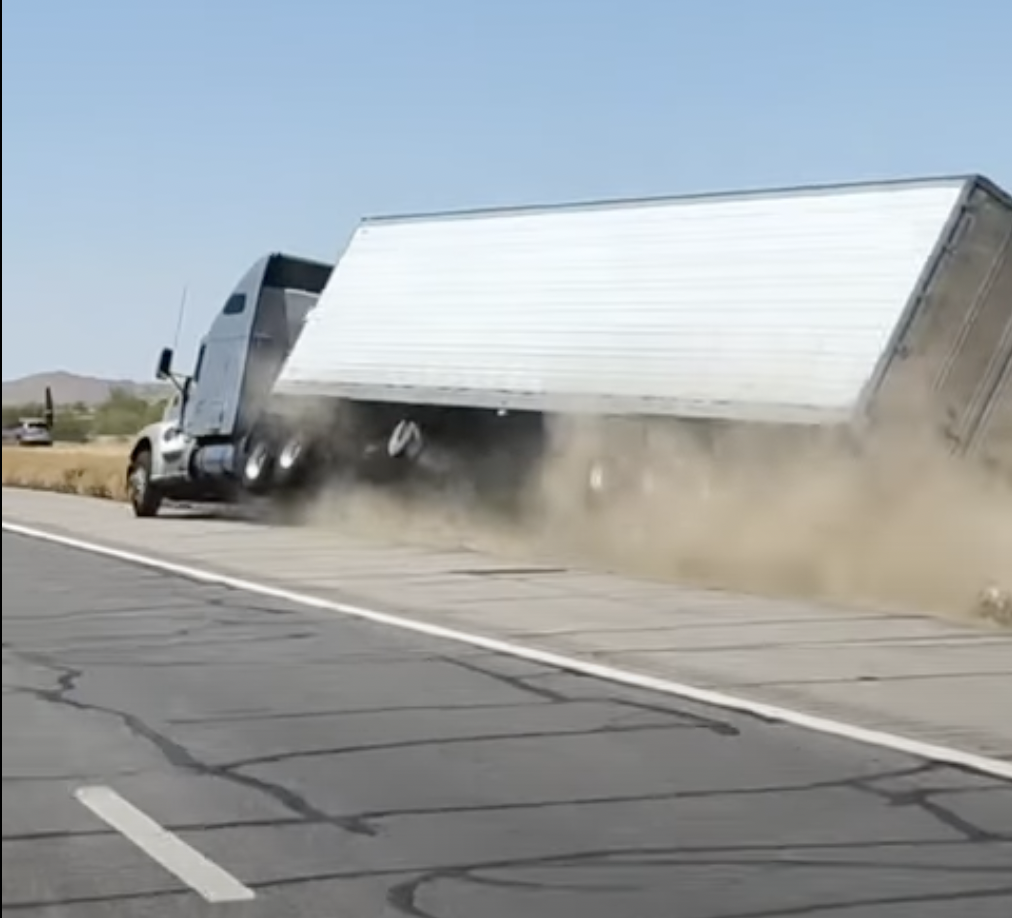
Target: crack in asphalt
(926,798)
(404,896)
(174,753)
(258,717)
(68,680)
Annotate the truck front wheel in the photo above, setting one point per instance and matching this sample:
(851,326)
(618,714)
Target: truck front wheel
(145,499)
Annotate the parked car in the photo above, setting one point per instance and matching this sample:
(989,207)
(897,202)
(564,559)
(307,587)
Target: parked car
(32,432)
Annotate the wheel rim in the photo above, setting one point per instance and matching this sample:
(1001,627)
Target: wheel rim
(138,484)
(406,440)
(256,462)
(290,455)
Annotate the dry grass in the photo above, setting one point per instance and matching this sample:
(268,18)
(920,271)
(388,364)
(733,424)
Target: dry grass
(92,471)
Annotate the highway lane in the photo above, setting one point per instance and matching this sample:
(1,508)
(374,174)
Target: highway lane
(310,765)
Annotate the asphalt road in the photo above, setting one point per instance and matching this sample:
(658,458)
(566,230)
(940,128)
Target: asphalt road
(329,768)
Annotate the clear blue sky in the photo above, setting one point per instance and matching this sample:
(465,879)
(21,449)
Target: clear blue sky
(151,145)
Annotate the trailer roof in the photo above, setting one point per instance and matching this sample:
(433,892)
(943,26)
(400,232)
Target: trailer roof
(938,181)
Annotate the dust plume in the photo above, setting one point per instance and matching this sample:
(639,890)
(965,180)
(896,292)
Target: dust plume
(894,522)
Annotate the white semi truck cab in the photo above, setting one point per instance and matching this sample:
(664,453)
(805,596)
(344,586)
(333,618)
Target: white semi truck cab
(197,450)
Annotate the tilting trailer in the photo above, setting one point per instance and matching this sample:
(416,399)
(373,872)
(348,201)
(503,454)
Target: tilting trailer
(453,344)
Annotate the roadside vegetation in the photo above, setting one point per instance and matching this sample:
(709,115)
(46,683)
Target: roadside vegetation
(90,446)
(89,470)
(121,415)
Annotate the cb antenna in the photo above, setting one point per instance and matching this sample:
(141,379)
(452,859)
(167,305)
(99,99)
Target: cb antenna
(181,317)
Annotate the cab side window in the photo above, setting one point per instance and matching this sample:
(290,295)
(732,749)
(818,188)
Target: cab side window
(236,305)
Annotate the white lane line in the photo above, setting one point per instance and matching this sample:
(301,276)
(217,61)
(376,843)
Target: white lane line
(921,750)
(205,878)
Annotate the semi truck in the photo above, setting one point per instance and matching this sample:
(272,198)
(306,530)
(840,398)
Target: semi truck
(449,348)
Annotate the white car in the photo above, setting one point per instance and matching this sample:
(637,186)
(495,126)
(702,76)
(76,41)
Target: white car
(33,432)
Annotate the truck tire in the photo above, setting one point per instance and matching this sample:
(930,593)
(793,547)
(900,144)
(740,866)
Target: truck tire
(293,463)
(145,498)
(257,472)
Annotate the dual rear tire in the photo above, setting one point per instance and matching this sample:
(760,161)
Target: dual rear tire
(274,463)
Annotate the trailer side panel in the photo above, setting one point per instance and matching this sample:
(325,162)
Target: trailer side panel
(769,307)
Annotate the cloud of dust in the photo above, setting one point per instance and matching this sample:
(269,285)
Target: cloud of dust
(898,522)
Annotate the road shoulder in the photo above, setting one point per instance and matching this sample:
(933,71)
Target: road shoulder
(915,677)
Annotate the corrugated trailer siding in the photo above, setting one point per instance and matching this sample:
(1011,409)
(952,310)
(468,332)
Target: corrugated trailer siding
(990,387)
(958,343)
(757,306)
(996,432)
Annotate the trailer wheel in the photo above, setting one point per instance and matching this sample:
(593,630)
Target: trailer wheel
(145,498)
(291,459)
(258,466)
(406,441)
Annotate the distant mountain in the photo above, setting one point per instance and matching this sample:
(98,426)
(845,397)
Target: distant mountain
(70,388)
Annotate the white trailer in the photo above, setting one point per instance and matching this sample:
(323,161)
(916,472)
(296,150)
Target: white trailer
(797,306)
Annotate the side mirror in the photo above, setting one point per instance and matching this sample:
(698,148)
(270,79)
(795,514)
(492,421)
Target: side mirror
(164,370)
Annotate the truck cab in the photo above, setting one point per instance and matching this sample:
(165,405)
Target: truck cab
(193,453)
